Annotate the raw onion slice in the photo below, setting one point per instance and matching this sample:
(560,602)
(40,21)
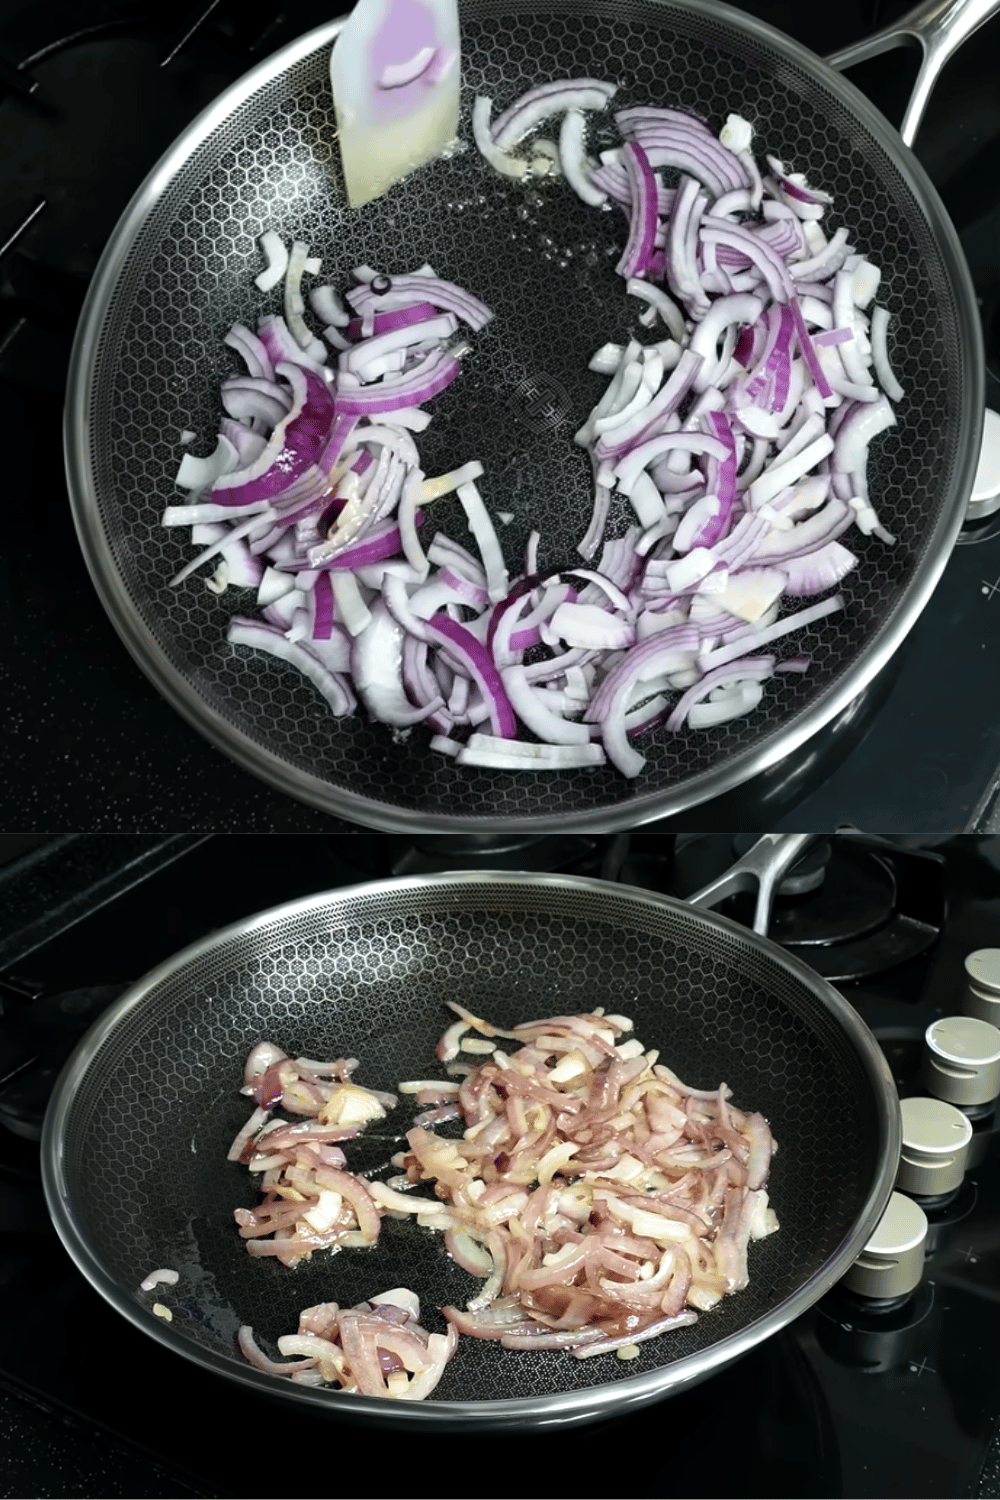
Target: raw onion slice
(740,443)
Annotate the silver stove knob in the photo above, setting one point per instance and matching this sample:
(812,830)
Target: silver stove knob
(982,991)
(985,497)
(936,1140)
(892,1263)
(962,1060)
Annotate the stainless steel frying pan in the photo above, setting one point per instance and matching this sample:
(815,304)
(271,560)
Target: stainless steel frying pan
(134,1150)
(179,270)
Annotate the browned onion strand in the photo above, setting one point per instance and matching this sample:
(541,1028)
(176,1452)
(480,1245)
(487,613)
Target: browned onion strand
(611,1200)
(375,1349)
(309,1201)
(602,1200)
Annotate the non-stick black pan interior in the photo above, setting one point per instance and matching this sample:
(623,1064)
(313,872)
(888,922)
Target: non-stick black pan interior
(142,1122)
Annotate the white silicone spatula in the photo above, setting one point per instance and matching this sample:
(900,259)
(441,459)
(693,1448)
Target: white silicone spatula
(395,70)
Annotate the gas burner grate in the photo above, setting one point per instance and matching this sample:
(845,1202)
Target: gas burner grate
(851,908)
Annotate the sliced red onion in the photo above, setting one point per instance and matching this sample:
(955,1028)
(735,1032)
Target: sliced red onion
(199,474)
(334,652)
(751,592)
(252,1352)
(608,359)
(482,529)
(627,468)
(274,585)
(328,307)
(668,310)
(382,542)
(362,355)
(445,552)
(721,232)
(283,348)
(500,160)
(252,351)
(608,706)
(576,167)
(292,449)
(515,635)
(167,1277)
(590,628)
(436,371)
(276,252)
(510,755)
(866,280)
(844,316)
(794,664)
(529,704)
(606,585)
(880,354)
(393,321)
(679,140)
(349,602)
(804,537)
(856,431)
(207,512)
(428,289)
(736,308)
(808,351)
(779,475)
(475,661)
(407,521)
(700,559)
(737,670)
(249,398)
(261,637)
(444,484)
(238,568)
(642,222)
(535,106)
(249,445)
(815,572)
(546,90)
(652,419)
(377,671)
(795,185)
(682,270)
(725,704)
(294,304)
(753,640)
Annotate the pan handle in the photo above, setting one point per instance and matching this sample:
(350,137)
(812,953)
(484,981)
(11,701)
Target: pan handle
(938,28)
(763,866)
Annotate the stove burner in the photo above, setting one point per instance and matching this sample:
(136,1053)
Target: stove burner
(849,908)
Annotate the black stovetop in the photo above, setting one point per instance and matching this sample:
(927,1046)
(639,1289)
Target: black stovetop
(86,107)
(843,1403)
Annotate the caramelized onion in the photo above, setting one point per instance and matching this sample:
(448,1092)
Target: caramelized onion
(309,1201)
(375,1349)
(610,1201)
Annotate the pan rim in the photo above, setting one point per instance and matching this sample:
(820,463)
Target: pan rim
(635,807)
(563,1408)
